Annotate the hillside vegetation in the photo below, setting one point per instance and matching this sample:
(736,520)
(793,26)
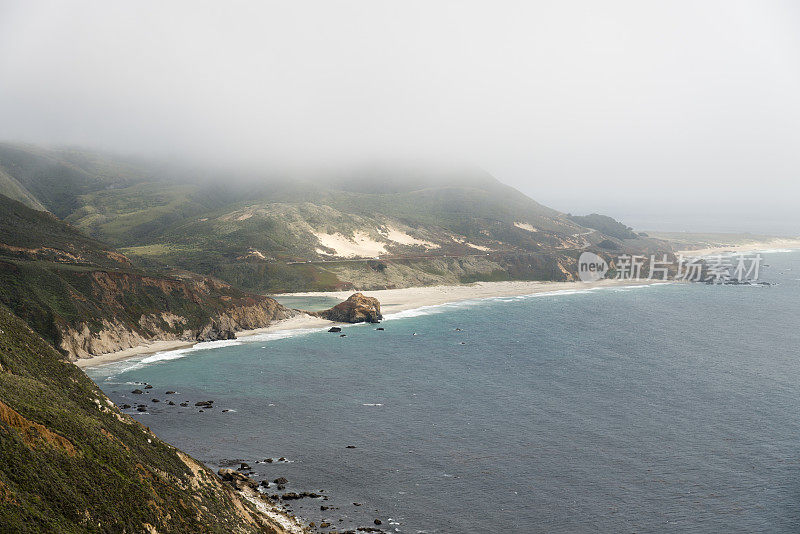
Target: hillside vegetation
(86,299)
(70,461)
(288,231)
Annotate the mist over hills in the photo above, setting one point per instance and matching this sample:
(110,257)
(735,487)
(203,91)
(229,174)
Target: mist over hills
(369,227)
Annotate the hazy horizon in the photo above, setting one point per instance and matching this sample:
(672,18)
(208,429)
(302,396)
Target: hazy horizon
(680,116)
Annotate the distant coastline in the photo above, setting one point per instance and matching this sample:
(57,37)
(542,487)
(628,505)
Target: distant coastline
(403,299)
(754,246)
(392,301)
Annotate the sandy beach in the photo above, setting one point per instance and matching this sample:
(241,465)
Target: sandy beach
(773,244)
(392,301)
(397,300)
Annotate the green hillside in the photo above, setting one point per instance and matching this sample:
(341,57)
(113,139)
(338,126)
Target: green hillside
(85,298)
(372,227)
(70,461)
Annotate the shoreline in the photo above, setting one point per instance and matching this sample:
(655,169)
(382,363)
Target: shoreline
(392,301)
(153,347)
(403,299)
(754,246)
(409,298)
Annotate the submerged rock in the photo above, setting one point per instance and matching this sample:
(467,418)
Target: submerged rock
(335,329)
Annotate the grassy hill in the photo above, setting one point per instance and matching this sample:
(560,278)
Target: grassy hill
(86,299)
(70,461)
(290,231)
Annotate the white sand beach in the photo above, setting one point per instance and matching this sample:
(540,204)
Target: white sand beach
(754,246)
(396,300)
(392,301)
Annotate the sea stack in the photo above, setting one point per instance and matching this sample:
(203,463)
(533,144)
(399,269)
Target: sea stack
(356,309)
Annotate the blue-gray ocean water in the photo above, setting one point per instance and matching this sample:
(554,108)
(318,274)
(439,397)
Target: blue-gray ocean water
(666,408)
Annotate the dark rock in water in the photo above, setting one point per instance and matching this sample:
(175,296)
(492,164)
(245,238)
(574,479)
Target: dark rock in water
(281,459)
(205,404)
(141,409)
(324,524)
(356,309)
(126,406)
(264,484)
(350,447)
(225,410)
(184,404)
(356,504)
(280,480)
(378,522)
(335,329)
(238,480)
(171,403)
(291,496)
(380,328)
(342,335)
(137,391)
(269,460)
(200,411)
(169,393)
(148,386)
(322,508)
(155,400)
(281,487)
(244,466)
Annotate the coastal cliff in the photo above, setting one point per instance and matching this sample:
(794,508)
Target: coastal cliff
(113,335)
(86,299)
(71,461)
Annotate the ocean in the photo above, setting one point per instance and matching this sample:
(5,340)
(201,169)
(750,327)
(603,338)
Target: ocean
(660,408)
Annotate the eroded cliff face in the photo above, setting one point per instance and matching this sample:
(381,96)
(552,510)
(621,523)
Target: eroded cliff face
(83,341)
(71,461)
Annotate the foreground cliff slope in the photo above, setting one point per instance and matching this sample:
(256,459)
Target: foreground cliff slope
(86,299)
(70,461)
(368,228)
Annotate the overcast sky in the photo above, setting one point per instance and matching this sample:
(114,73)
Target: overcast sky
(678,115)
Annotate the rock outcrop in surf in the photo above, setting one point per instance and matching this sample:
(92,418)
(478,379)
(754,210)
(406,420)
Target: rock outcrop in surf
(358,308)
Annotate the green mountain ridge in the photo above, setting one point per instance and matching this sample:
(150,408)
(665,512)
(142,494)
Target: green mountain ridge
(370,228)
(86,299)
